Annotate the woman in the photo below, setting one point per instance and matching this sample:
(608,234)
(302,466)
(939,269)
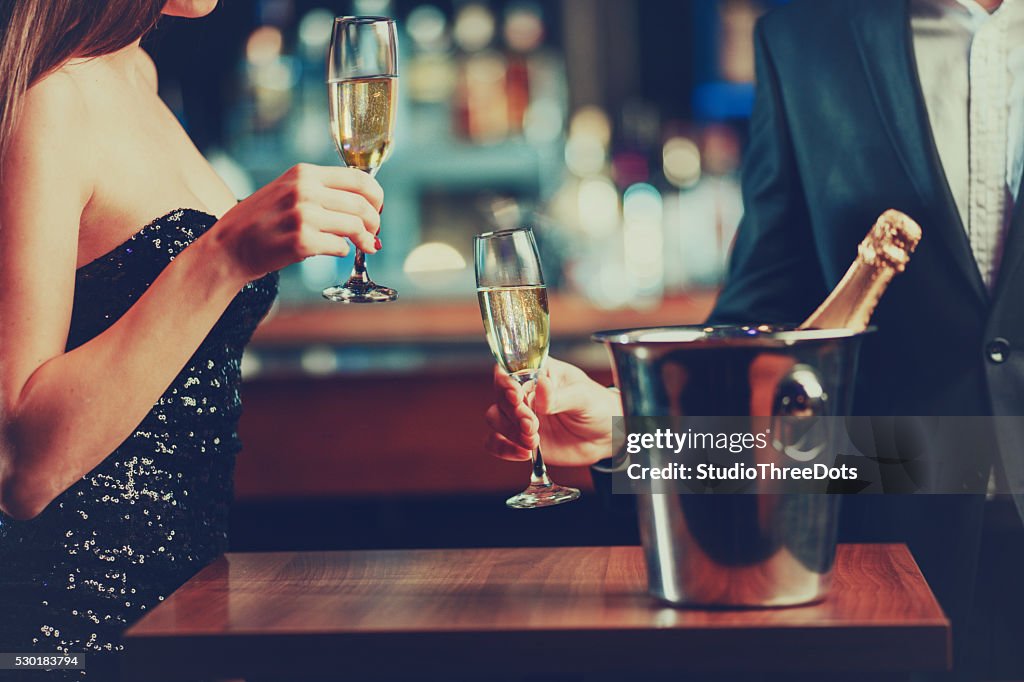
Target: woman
(120,346)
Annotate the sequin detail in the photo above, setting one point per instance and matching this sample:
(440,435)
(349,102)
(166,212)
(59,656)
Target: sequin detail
(155,510)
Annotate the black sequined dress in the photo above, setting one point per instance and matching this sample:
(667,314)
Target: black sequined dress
(155,510)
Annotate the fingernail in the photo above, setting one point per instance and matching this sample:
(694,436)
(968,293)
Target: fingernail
(376,243)
(381,211)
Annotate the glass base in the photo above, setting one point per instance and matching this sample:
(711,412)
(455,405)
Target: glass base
(538,495)
(360,291)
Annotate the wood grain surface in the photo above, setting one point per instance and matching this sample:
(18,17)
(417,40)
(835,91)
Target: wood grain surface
(420,614)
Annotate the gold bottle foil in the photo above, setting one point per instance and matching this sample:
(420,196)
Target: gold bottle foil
(883,253)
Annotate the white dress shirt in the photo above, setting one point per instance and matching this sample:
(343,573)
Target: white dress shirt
(971,67)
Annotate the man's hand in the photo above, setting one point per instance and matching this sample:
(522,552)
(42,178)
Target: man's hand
(570,419)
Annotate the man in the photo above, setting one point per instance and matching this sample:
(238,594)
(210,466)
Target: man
(862,106)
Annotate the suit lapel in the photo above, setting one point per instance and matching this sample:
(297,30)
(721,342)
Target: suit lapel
(883,34)
(1013,247)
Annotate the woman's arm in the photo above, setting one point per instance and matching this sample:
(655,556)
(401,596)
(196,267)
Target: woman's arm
(62,413)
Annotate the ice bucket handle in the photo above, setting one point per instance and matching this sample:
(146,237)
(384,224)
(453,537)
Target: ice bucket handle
(800,399)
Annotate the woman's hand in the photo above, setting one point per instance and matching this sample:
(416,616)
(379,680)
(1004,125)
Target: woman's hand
(571,417)
(308,211)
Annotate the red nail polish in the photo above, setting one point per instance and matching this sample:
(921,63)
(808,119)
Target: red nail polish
(381,211)
(376,243)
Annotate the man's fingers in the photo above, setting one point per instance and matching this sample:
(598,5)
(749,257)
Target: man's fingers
(511,397)
(571,397)
(503,380)
(501,447)
(544,398)
(521,431)
(515,408)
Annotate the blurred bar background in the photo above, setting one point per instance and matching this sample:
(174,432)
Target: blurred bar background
(614,127)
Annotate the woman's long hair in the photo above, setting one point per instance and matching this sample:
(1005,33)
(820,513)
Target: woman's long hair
(38,36)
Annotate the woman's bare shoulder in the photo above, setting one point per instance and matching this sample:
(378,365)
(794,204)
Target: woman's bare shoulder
(51,136)
(58,96)
(147,69)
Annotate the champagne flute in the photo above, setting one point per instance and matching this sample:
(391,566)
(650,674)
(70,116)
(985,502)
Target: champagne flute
(514,307)
(362,86)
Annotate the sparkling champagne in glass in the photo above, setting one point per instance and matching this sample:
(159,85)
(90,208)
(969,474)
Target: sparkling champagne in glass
(514,308)
(362,87)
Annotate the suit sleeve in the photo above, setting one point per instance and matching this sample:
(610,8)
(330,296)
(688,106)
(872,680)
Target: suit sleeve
(774,273)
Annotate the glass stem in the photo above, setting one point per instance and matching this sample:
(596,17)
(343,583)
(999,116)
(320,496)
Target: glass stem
(539,473)
(359,266)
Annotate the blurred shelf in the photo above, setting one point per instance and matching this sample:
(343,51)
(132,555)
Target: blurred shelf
(458,321)
(513,163)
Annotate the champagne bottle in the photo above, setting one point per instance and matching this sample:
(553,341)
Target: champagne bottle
(883,254)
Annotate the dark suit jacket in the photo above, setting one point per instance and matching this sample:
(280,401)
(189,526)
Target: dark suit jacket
(839,134)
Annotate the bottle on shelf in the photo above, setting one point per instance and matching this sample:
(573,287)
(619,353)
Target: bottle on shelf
(481,100)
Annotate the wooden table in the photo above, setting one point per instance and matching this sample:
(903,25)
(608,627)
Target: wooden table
(481,613)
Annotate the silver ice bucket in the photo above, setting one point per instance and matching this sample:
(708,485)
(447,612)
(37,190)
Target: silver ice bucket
(737,550)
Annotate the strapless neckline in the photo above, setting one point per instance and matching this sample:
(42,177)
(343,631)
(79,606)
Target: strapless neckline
(159,220)
(156,509)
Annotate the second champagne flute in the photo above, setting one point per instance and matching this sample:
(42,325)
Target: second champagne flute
(362,84)
(514,307)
